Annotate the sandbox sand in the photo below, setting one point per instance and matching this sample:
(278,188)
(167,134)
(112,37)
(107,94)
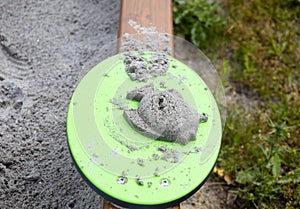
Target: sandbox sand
(44,47)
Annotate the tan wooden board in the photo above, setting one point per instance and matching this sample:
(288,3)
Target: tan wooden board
(108,205)
(148,13)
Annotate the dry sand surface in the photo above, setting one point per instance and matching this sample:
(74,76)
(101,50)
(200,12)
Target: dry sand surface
(45,45)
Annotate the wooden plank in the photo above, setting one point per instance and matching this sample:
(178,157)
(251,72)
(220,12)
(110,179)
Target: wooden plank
(108,205)
(140,16)
(147,13)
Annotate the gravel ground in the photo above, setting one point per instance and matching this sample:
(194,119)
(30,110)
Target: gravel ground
(44,47)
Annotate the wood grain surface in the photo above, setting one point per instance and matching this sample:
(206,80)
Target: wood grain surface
(148,13)
(108,205)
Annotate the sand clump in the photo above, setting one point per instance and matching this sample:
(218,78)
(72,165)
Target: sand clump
(162,115)
(140,69)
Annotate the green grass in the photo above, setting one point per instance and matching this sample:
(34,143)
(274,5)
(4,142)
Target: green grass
(255,46)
